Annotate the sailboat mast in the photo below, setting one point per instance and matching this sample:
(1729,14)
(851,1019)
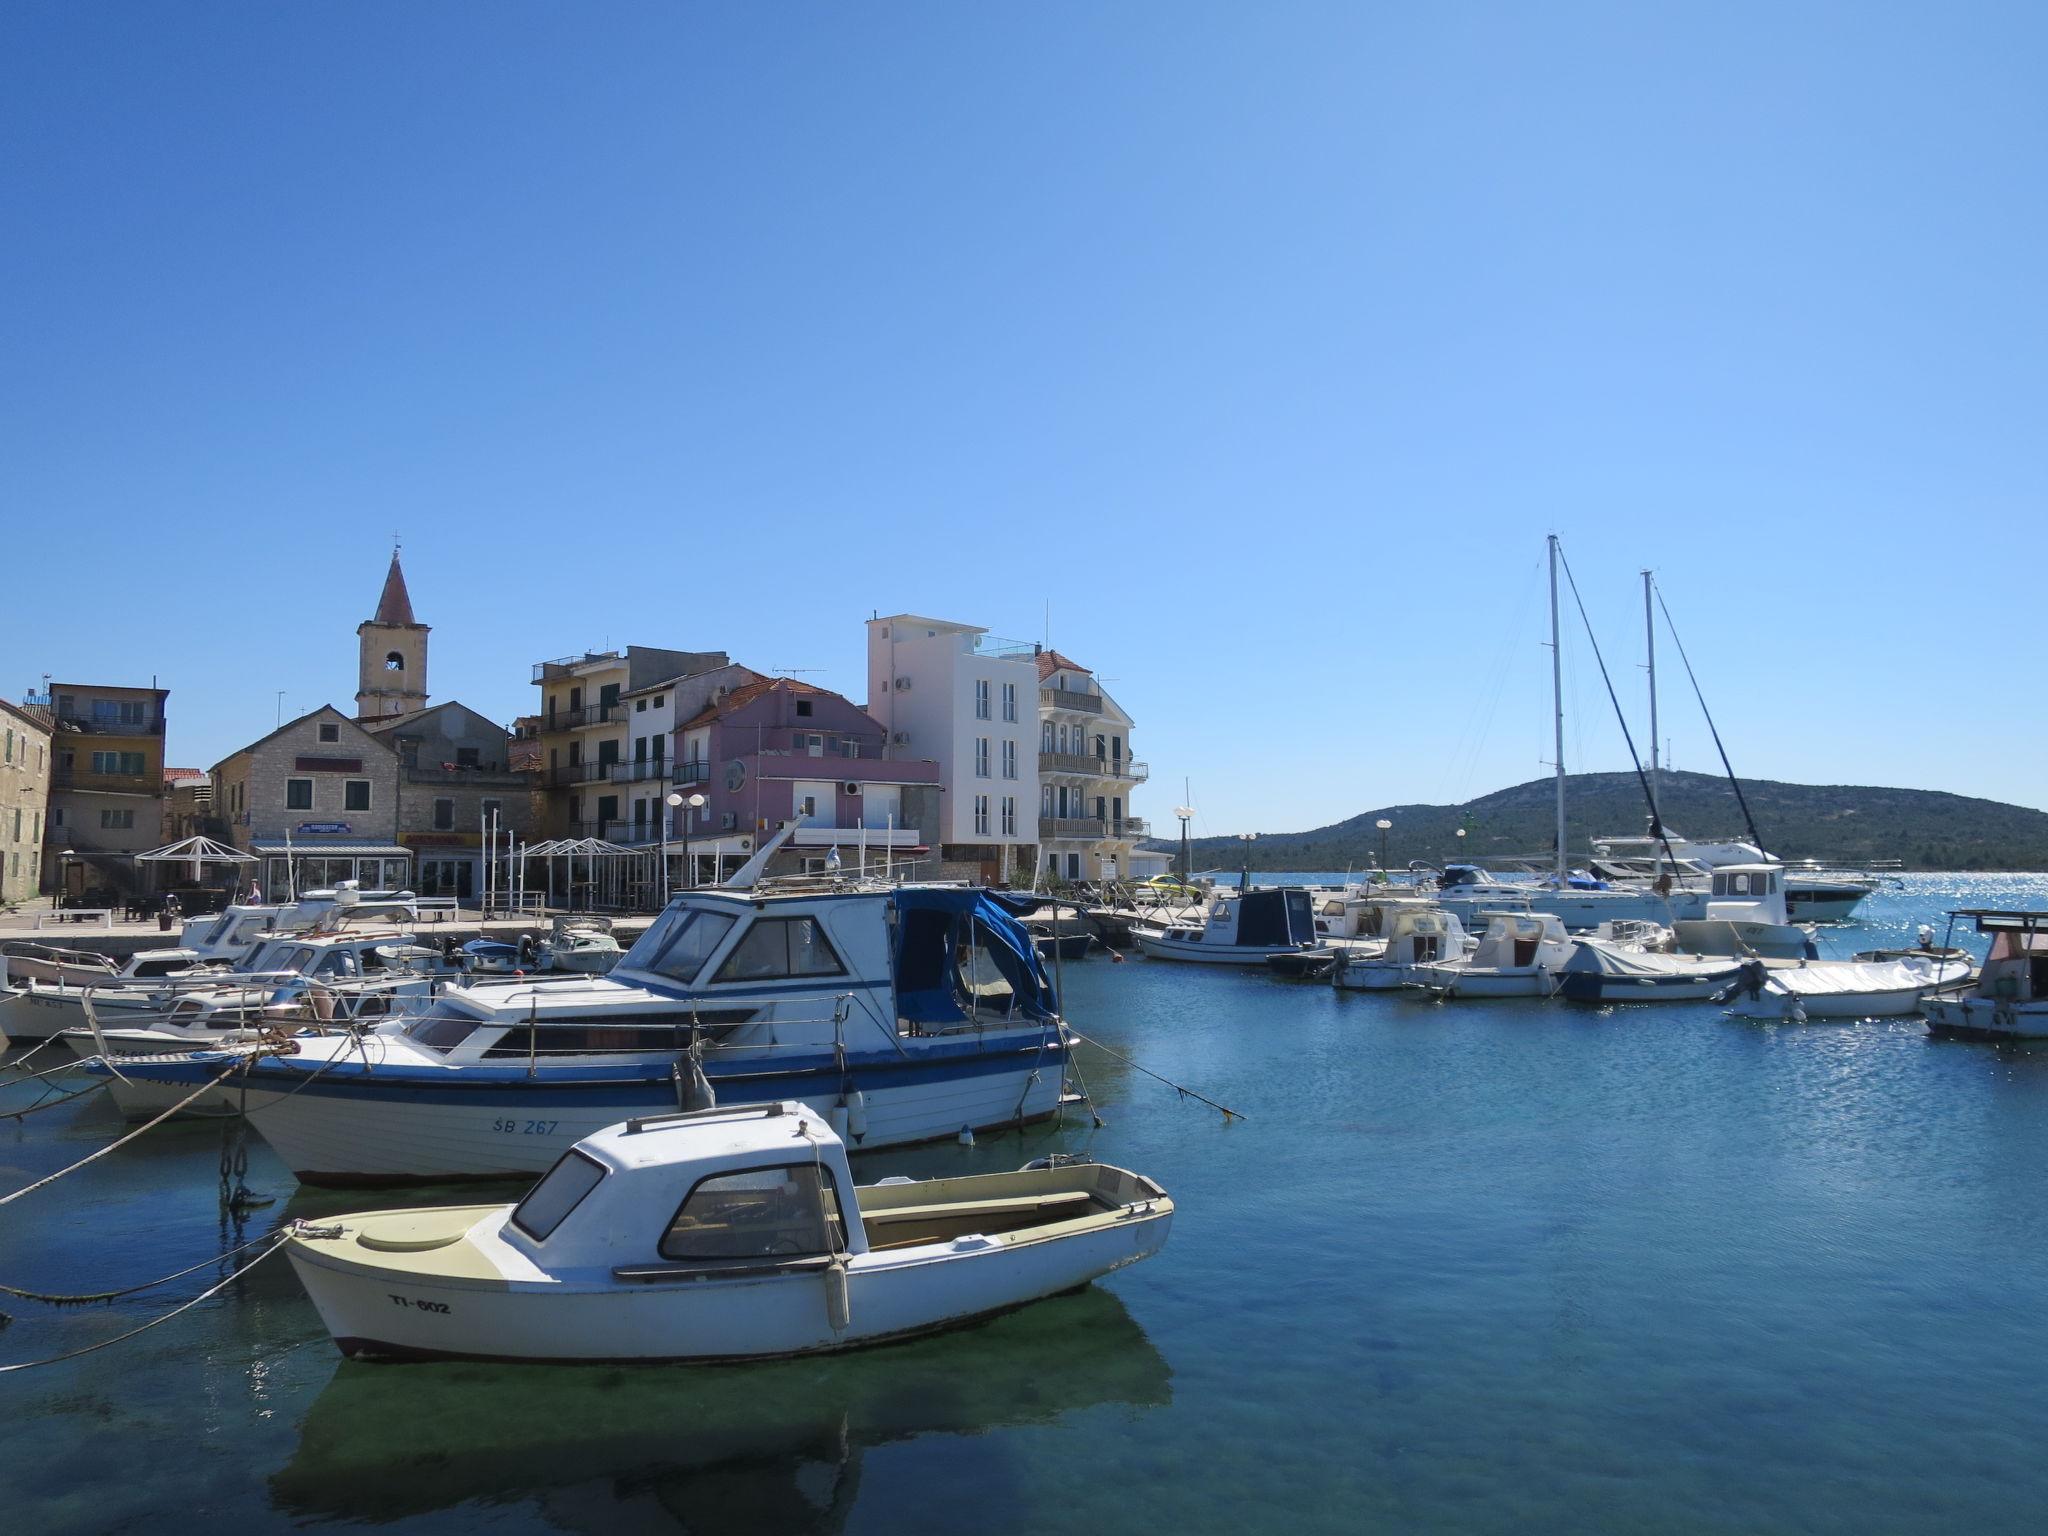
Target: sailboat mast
(1557,707)
(1650,636)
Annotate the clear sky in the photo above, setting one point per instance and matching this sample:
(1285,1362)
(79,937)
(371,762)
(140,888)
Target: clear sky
(1263,343)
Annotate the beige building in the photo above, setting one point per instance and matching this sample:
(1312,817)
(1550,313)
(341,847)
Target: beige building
(1086,773)
(454,777)
(317,802)
(25,735)
(106,787)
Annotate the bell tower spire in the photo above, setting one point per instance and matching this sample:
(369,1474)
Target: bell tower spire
(392,652)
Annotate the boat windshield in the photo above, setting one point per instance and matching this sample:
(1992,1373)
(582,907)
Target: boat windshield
(443,1027)
(678,946)
(558,1193)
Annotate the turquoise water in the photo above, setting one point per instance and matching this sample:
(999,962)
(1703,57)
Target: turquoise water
(1470,1267)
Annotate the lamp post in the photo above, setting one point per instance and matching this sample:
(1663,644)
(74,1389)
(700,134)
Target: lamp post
(695,804)
(1385,827)
(1186,813)
(1244,879)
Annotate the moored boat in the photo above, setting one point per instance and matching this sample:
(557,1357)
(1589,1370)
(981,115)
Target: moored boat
(2009,999)
(1600,972)
(1844,989)
(1239,928)
(721,1234)
(1416,934)
(1520,954)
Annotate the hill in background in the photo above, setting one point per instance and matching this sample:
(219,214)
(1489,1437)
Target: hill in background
(1849,824)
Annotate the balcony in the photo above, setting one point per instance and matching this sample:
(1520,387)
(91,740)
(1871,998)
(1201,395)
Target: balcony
(150,724)
(582,717)
(693,773)
(1089,829)
(565,666)
(576,773)
(1068,698)
(1086,765)
(849,839)
(492,778)
(658,769)
(85,779)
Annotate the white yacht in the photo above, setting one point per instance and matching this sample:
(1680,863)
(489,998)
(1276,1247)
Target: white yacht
(1814,893)
(719,1234)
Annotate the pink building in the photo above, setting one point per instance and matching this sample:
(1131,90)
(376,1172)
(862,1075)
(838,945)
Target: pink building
(774,750)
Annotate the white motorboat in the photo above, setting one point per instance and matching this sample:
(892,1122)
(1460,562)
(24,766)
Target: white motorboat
(1416,934)
(904,1013)
(1604,972)
(1844,989)
(722,1234)
(1240,927)
(582,943)
(1519,955)
(1745,916)
(2009,999)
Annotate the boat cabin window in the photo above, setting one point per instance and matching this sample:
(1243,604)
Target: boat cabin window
(559,1192)
(443,1027)
(1739,884)
(339,962)
(781,946)
(763,1213)
(588,1039)
(696,935)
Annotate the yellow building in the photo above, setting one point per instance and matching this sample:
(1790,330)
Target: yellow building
(24,798)
(106,786)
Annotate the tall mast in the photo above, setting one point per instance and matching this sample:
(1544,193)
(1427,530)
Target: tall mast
(1557,707)
(1650,636)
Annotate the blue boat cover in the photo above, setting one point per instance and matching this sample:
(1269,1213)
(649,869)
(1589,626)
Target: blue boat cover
(933,924)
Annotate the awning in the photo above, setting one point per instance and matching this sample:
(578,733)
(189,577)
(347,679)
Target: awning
(333,850)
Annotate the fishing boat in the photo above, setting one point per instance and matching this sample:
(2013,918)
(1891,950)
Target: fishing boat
(1745,916)
(1416,934)
(719,1234)
(1239,927)
(2009,999)
(904,1013)
(1844,989)
(489,957)
(1519,955)
(582,943)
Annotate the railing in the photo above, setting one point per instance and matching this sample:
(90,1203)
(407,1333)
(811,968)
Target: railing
(692,773)
(101,725)
(562,666)
(1067,698)
(639,771)
(1133,826)
(463,775)
(577,773)
(106,783)
(1089,766)
(582,715)
(1072,827)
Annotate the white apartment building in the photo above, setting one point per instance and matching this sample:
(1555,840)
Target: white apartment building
(951,693)
(1086,828)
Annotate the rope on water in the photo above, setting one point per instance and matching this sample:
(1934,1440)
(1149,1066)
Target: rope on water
(1186,1093)
(276,1241)
(49,1103)
(61,1299)
(91,1157)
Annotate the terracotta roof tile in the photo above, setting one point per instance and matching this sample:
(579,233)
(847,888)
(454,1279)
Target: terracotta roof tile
(1050,662)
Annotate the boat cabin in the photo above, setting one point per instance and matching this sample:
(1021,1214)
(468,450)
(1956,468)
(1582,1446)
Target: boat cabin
(1423,935)
(2016,969)
(1747,893)
(1519,940)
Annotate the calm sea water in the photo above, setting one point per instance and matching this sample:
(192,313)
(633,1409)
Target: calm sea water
(1469,1267)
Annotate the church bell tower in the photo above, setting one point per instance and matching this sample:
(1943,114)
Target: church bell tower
(392,670)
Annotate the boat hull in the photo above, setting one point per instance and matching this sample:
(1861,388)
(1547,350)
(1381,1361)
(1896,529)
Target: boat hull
(1984,1018)
(1592,987)
(1458,981)
(351,1127)
(1196,952)
(396,1314)
(1780,1007)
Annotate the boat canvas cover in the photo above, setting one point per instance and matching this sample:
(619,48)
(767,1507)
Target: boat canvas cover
(1852,976)
(1279,918)
(1599,960)
(932,925)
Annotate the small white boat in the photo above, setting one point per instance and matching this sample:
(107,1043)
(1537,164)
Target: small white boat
(1240,927)
(1521,954)
(1603,972)
(582,944)
(1843,989)
(1745,916)
(2009,999)
(1416,934)
(719,1234)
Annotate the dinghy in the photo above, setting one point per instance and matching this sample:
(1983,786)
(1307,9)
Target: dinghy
(720,1234)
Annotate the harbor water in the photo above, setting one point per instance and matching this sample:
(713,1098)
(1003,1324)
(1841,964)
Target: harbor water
(1478,1266)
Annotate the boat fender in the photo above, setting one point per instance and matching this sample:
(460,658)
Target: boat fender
(857,1114)
(838,1295)
(966,1135)
(839,1120)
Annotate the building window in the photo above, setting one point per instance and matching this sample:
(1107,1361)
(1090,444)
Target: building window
(1045,736)
(639,706)
(1009,815)
(1009,759)
(1045,799)
(803,706)
(981,815)
(444,814)
(330,732)
(981,698)
(56,815)
(17,824)
(981,757)
(492,808)
(467,757)
(298,794)
(355,794)
(394,662)
(116,821)
(1010,702)
(117,762)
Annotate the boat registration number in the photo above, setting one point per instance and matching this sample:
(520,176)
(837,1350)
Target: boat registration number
(525,1127)
(416,1303)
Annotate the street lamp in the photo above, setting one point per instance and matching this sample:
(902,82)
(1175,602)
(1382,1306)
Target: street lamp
(1244,879)
(695,803)
(1186,813)
(1385,827)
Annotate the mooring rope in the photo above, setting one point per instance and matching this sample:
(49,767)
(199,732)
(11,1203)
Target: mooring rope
(90,1157)
(63,1299)
(46,1102)
(1186,1093)
(276,1241)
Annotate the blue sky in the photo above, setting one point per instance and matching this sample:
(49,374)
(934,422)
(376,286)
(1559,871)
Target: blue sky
(1264,343)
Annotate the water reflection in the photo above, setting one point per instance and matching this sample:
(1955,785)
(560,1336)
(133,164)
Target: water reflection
(773,1447)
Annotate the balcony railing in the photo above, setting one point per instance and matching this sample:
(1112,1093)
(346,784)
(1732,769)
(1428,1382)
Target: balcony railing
(1089,766)
(1089,828)
(106,783)
(581,716)
(1067,698)
(641,771)
(102,725)
(692,772)
(562,666)
(577,773)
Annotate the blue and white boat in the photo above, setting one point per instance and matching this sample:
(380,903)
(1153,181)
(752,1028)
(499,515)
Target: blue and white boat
(900,1014)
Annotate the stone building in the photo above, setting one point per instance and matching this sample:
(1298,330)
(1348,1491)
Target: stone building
(317,802)
(454,772)
(25,735)
(391,660)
